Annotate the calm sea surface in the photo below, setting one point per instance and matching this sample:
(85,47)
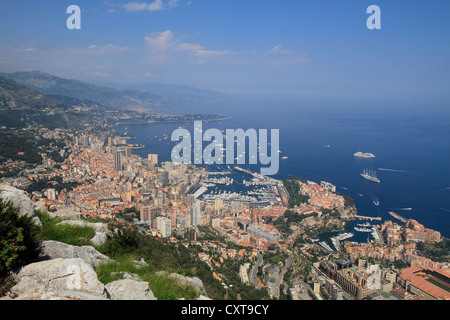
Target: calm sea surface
(319,138)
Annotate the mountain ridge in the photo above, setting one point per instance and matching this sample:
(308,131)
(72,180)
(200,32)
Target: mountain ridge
(21,106)
(157,95)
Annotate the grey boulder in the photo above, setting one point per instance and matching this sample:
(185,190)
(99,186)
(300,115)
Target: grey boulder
(53,250)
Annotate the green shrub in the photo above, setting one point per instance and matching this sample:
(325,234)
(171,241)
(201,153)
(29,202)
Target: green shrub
(18,239)
(128,244)
(73,235)
(163,287)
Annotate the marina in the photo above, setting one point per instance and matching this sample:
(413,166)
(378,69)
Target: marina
(225,180)
(232,185)
(376,234)
(341,237)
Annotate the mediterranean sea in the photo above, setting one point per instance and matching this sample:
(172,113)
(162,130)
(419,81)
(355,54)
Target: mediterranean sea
(318,138)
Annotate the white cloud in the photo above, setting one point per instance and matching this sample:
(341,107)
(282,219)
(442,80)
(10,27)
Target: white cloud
(148,75)
(93,60)
(160,41)
(99,73)
(275,49)
(199,50)
(104,49)
(165,45)
(157,5)
(279,56)
(173,3)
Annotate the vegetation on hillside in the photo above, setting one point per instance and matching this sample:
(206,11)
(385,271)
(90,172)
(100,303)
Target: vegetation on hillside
(290,218)
(18,242)
(126,245)
(439,252)
(293,188)
(18,146)
(73,235)
(18,238)
(54,183)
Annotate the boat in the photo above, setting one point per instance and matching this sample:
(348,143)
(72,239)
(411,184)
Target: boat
(366,155)
(341,237)
(325,246)
(375,234)
(336,244)
(370,175)
(363,229)
(364,224)
(346,235)
(375,201)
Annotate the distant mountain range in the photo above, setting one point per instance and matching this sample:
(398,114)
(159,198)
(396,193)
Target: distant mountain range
(149,96)
(22,106)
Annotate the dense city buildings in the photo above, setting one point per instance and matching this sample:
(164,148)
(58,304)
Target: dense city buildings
(100,177)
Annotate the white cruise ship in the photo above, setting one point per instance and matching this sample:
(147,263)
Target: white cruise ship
(366,155)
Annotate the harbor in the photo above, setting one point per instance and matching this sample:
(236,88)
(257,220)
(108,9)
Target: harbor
(232,185)
(336,241)
(341,237)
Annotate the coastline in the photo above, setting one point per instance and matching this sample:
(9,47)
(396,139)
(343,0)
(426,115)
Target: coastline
(325,159)
(169,121)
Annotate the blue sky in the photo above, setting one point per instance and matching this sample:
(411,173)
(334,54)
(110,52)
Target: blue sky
(237,46)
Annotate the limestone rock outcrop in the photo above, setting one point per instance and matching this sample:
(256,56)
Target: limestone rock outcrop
(72,279)
(20,200)
(190,281)
(50,249)
(58,279)
(127,289)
